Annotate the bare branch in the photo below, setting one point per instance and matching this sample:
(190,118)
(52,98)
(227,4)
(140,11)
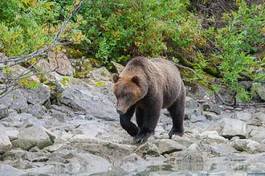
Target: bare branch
(11,61)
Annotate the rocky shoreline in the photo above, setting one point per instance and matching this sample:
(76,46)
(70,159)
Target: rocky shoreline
(80,134)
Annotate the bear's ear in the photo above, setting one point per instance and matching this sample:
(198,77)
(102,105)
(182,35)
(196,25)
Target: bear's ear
(115,77)
(136,80)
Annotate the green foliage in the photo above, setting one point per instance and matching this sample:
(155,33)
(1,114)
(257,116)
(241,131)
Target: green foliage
(27,25)
(28,83)
(119,29)
(238,41)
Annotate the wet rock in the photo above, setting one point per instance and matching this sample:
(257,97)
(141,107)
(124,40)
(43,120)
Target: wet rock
(233,127)
(212,136)
(82,98)
(7,170)
(33,136)
(60,63)
(5,143)
(133,163)
(38,95)
(148,148)
(247,145)
(166,146)
(191,158)
(3,111)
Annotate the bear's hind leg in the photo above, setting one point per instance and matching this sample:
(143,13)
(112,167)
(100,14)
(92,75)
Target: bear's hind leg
(176,111)
(125,121)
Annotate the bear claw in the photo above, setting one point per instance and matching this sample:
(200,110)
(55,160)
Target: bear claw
(141,138)
(175,132)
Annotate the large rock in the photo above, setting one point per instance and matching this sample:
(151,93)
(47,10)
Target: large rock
(86,99)
(33,136)
(233,127)
(5,143)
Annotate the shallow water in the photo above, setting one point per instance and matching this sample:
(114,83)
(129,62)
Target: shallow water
(177,170)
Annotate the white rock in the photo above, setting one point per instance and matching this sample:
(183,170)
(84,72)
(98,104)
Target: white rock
(233,127)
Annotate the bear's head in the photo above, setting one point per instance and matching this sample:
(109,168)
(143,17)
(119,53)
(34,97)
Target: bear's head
(128,91)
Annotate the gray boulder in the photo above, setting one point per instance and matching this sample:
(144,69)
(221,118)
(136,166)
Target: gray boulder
(33,136)
(86,99)
(233,127)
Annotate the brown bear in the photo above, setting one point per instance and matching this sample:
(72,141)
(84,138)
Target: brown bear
(145,87)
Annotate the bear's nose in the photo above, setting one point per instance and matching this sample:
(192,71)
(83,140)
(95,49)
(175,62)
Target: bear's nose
(119,112)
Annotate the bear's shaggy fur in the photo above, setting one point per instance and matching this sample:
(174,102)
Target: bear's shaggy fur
(145,87)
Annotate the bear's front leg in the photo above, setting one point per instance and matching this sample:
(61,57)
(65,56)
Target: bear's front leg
(148,125)
(125,121)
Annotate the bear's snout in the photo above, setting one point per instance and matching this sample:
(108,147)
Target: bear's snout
(120,112)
